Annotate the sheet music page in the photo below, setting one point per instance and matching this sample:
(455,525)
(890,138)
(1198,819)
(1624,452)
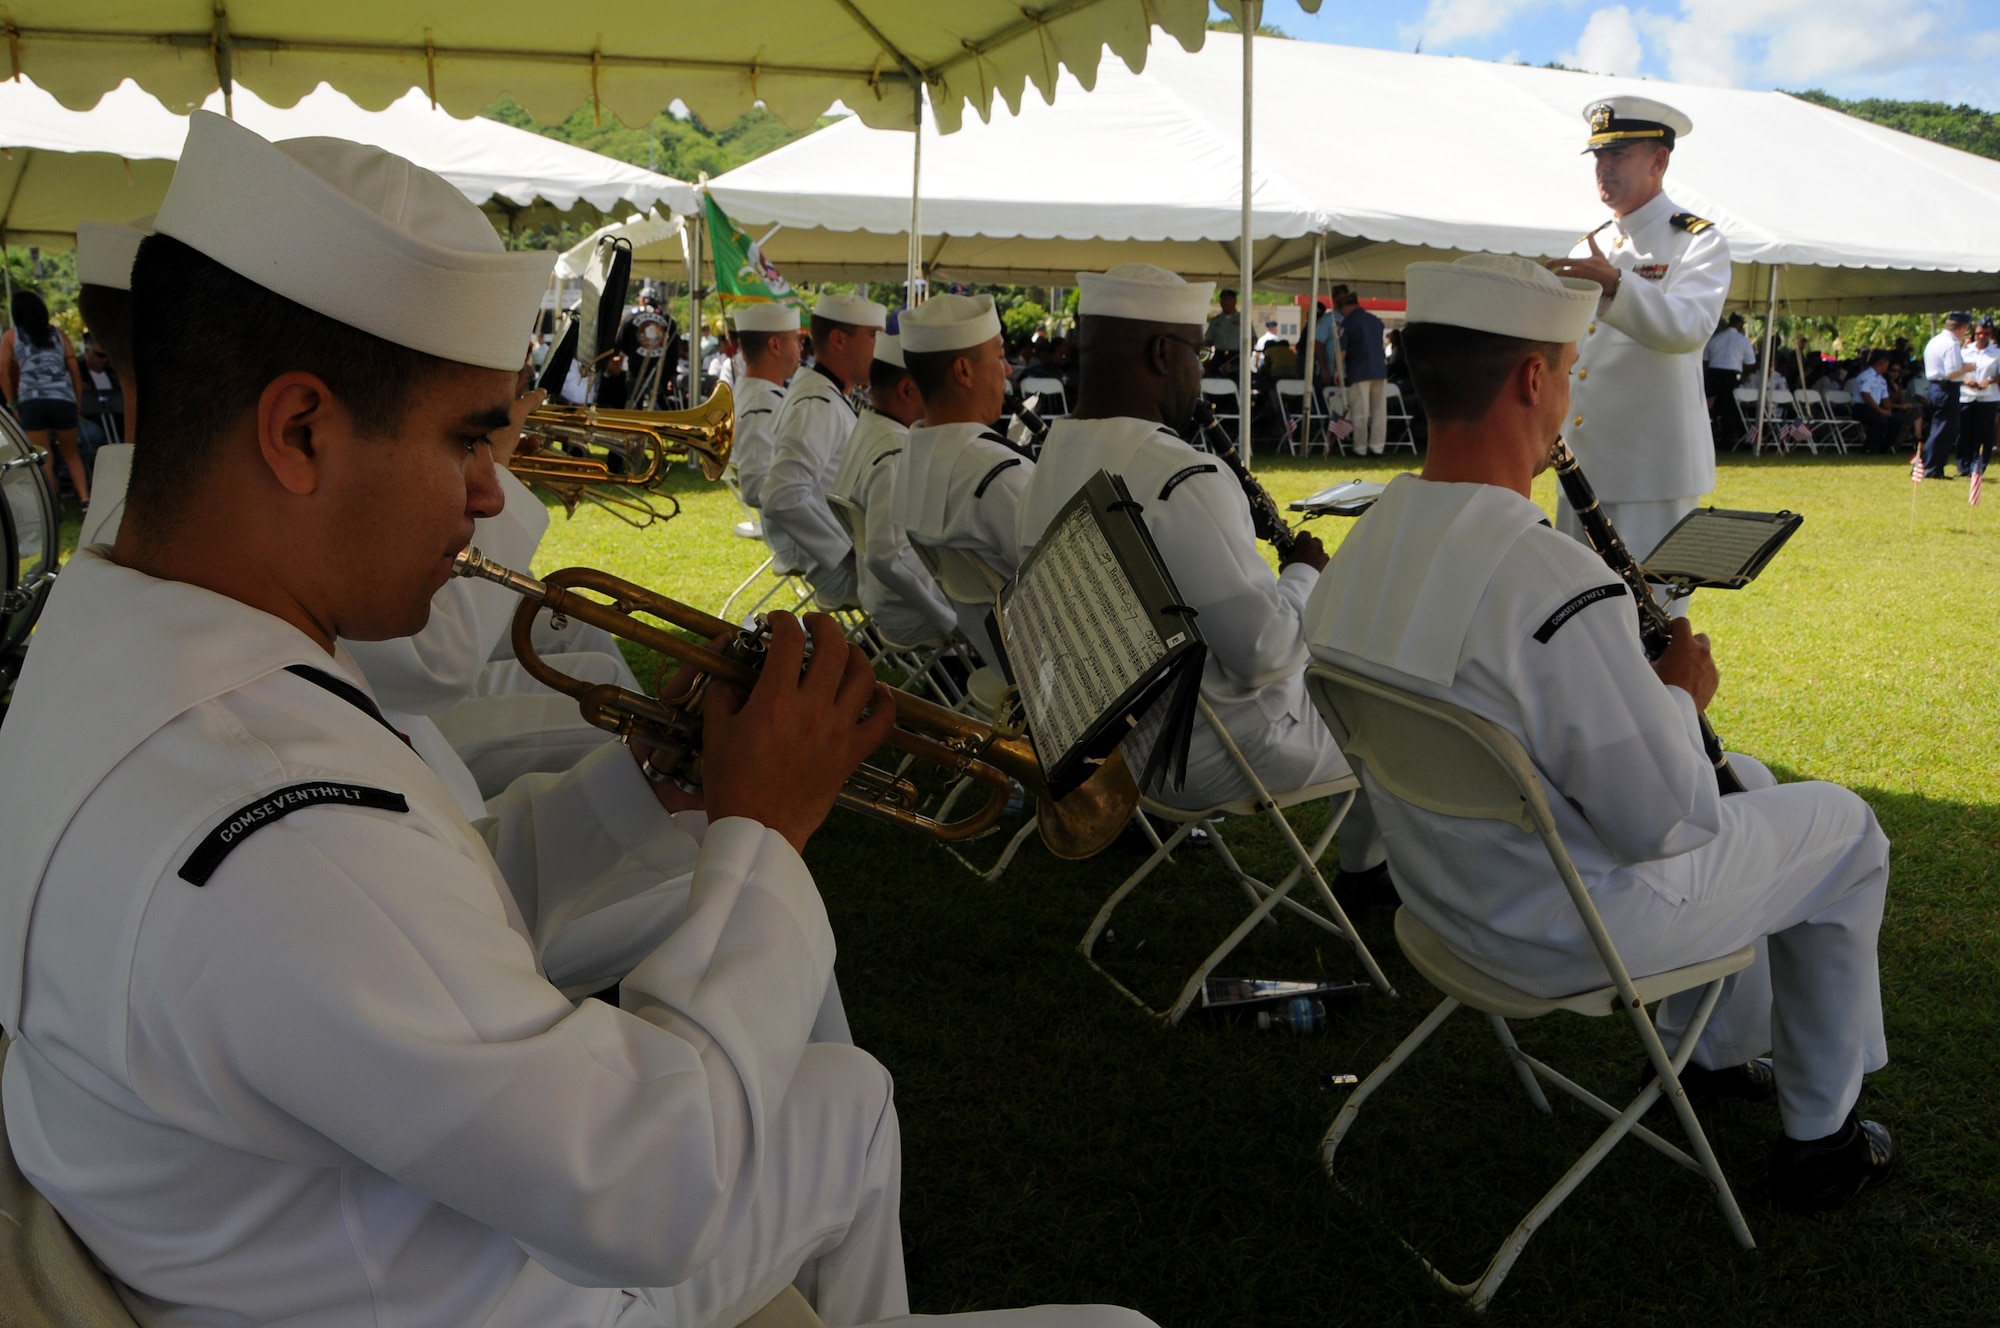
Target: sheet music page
(1075,615)
(1711,547)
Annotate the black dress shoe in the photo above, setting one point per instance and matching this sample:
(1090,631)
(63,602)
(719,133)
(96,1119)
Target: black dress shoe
(1819,1174)
(1367,888)
(1752,1081)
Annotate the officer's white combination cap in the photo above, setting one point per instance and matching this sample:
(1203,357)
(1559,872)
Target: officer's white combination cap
(1503,294)
(889,349)
(770,316)
(105,250)
(949,322)
(1626,119)
(359,235)
(852,310)
(1143,292)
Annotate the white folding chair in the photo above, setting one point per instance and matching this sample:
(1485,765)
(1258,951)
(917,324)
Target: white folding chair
(1220,393)
(1054,402)
(1818,415)
(1450,762)
(1291,409)
(48,1279)
(1746,416)
(1396,411)
(1264,897)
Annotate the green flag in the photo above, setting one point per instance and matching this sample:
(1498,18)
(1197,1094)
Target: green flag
(743,276)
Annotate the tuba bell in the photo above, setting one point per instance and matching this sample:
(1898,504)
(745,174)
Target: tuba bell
(1079,825)
(617,459)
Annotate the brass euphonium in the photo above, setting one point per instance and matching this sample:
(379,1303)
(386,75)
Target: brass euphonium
(1080,825)
(576,445)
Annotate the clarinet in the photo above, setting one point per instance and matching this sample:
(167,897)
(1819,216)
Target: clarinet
(1656,629)
(1266,518)
(1037,427)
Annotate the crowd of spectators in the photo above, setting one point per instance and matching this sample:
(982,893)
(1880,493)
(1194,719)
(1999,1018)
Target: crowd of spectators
(1943,397)
(67,399)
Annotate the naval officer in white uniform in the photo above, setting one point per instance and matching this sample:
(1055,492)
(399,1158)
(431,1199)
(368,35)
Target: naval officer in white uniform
(811,434)
(897,590)
(1453,586)
(1638,419)
(284,1047)
(961,479)
(1139,332)
(767,336)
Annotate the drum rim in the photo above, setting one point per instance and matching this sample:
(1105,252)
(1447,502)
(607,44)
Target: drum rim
(14,629)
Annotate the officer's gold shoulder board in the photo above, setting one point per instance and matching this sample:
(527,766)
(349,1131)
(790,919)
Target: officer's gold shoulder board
(1689,222)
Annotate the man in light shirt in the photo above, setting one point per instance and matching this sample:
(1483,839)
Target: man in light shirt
(1944,369)
(1979,399)
(1872,393)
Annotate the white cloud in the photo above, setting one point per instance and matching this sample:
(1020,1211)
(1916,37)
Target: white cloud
(1457,20)
(1609,44)
(1796,43)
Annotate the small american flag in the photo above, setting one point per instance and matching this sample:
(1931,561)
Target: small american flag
(1972,495)
(1341,428)
(1917,466)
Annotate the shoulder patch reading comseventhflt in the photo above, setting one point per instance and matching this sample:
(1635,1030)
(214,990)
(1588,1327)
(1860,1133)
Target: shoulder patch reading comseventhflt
(1689,222)
(994,474)
(1184,474)
(279,803)
(1575,606)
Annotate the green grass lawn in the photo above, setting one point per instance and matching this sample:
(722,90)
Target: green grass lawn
(1061,1146)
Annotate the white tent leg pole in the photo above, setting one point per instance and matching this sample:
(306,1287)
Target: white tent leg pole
(913,290)
(1245,303)
(694,304)
(1308,326)
(1764,365)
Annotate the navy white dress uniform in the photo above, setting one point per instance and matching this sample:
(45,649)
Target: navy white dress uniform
(1462,592)
(961,484)
(897,590)
(1638,419)
(1195,509)
(758,401)
(811,434)
(286,1044)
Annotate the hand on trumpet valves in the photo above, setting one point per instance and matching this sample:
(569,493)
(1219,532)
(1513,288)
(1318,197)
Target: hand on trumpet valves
(1689,665)
(780,754)
(1307,549)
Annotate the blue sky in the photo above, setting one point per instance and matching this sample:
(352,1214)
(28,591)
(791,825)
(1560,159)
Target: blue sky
(1917,49)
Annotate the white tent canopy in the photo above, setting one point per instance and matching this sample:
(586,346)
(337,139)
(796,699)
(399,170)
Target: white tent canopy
(114,161)
(629,59)
(1455,155)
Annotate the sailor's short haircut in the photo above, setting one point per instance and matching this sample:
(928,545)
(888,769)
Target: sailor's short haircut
(1459,371)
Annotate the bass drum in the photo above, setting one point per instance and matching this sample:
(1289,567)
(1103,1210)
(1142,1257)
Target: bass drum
(30,539)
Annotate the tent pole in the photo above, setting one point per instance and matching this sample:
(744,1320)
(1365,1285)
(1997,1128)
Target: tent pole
(1308,326)
(1245,305)
(912,290)
(1764,365)
(694,300)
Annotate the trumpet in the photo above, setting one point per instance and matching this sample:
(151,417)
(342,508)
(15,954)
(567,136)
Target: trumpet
(578,444)
(1079,825)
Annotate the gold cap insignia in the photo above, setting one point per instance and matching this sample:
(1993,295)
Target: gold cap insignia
(1600,117)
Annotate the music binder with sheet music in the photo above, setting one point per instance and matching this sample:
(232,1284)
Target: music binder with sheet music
(1713,548)
(1100,641)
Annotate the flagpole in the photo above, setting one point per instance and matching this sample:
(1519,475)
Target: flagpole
(1764,365)
(694,298)
(912,290)
(1251,11)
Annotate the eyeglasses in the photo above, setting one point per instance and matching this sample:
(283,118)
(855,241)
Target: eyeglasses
(1202,350)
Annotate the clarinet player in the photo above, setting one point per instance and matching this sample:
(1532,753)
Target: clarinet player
(1139,331)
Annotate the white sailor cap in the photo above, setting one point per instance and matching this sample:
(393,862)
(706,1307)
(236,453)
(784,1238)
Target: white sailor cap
(889,349)
(853,310)
(357,234)
(949,322)
(1624,119)
(1143,292)
(766,316)
(105,250)
(1504,294)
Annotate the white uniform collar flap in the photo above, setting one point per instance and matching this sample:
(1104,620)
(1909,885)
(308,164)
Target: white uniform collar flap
(928,466)
(1397,594)
(96,685)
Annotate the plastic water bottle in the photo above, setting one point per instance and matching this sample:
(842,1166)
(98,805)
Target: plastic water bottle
(1301,1015)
